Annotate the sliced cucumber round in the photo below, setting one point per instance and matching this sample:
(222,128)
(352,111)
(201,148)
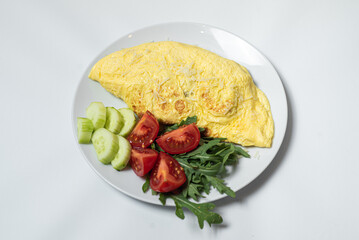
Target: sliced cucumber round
(114,120)
(130,121)
(123,156)
(106,145)
(96,112)
(84,130)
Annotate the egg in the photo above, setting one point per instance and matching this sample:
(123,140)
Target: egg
(175,80)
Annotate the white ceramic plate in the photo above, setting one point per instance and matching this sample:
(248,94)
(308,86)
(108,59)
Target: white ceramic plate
(216,40)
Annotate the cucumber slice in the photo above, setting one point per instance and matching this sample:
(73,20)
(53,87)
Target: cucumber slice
(123,156)
(114,120)
(130,121)
(84,130)
(96,112)
(106,145)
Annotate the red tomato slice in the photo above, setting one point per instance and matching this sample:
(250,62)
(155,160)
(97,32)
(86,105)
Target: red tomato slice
(145,131)
(167,175)
(142,160)
(181,140)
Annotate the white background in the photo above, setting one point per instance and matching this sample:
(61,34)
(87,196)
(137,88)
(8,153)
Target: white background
(48,191)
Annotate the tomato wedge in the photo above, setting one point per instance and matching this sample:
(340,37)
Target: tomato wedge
(142,160)
(167,175)
(145,131)
(181,140)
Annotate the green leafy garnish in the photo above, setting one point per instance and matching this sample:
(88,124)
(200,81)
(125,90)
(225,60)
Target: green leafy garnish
(219,185)
(156,147)
(146,185)
(188,121)
(201,210)
(204,168)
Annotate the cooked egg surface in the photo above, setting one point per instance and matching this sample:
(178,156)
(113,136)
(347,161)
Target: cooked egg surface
(175,80)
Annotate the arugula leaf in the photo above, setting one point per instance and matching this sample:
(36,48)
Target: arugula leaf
(202,149)
(207,139)
(204,168)
(219,185)
(203,165)
(179,210)
(193,190)
(163,198)
(206,185)
(188,121)
(201,210)
(210,170)
(226,153)
(232,160)
(146,185)
(156,147)
(201,130)
(153,146)
(240,151)
(190,168)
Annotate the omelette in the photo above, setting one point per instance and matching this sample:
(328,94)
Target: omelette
(175,80)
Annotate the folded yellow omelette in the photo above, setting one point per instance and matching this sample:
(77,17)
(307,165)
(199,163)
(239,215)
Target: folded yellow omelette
(175,80)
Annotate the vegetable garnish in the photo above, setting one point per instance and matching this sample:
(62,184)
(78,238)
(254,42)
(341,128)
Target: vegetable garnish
(182,140)
(188,121)
(145,132)
(204,168)
(167,175)
(181,164)
(142,160)
(105,128)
